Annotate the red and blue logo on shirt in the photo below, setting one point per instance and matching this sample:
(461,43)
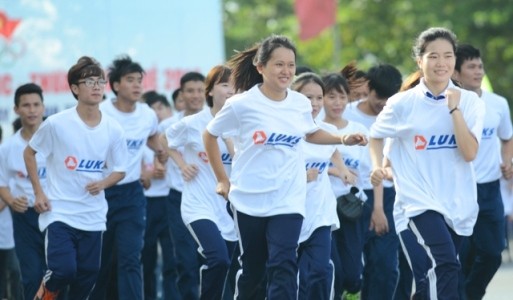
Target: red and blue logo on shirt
(275,139)
(435,142)
(84,165)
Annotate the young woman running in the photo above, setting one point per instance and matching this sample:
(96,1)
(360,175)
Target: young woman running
(348,241)
(315,270)
(203,211)
(267,187)
(436,128)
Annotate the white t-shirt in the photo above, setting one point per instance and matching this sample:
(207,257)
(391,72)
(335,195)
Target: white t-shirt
(13,173)
(138,126)
(429,170)
(173,173)
(76,155)
(6,230)
(199,199)
(496,125)
(321,205)
(159,186)
(353,113)
(356,158)
(268,173)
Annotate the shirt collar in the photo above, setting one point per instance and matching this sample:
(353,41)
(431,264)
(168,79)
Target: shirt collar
(429,95)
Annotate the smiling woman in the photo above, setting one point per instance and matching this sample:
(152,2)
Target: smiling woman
(267,187)
(434,129)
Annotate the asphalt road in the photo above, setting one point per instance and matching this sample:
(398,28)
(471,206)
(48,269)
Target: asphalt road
(501,287)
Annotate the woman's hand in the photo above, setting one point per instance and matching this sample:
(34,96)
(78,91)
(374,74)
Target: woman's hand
(354,139)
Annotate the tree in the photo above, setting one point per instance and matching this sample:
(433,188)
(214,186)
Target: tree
(371,31)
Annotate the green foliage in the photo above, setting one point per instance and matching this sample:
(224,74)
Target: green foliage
(371,31)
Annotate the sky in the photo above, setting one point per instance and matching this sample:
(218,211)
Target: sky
(167,37)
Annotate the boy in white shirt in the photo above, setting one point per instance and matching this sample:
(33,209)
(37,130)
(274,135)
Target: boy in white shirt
(380,250)
(78,143)
(16,190)
(127,204)
(481,252)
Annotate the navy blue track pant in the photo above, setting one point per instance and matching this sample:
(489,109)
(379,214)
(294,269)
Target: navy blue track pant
(380,252)
(185,249)
(216,253)
(315,270)
(126,221)
(30,250)
(481,254)
(347,255)
(158,232)
(442,246)
(73,258)
(268,248)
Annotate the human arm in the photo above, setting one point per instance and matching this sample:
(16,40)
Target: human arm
(340,170)
(146,174)
(214,157)
(507,156)
(377,178)
(324,137)
(155,144)
(466,141)
(229,145)
(18,204)
(41,203)
(378,219)
(94,188)
(188,171)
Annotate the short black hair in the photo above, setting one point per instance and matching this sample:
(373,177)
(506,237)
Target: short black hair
(335,81)
(28,88)
(16,124)
(191,76)
(303,69)
(465,52)
(120,67)
(86,66)
(174,95)
(385,80)
(152,97)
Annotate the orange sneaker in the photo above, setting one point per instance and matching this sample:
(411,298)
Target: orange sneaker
(44,294)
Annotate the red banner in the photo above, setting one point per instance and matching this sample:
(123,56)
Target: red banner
(314,16)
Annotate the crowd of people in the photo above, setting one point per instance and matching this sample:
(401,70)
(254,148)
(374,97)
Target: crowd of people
(234,191)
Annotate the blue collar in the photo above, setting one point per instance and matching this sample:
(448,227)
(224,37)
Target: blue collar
(439,97)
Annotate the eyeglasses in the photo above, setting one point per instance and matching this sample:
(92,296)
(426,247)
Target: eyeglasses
(91,82)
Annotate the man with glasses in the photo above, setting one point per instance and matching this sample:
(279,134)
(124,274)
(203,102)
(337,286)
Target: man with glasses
(123,240)
(77,143)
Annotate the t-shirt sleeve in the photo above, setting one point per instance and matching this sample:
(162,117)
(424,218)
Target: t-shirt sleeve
(154,122)
(225,123)
(308,121)
(4,177)
(474,115)
(176,134)
(119,151)
(43,139)
(505,129)
(386,122)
